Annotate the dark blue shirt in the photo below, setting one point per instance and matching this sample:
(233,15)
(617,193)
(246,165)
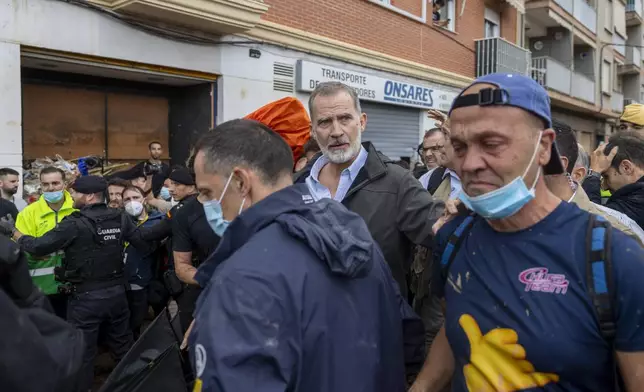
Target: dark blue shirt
(526,292)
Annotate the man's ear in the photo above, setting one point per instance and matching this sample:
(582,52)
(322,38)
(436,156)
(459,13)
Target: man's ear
(627,167)
(564,162)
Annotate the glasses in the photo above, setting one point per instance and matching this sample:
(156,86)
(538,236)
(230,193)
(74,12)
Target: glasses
(436,148)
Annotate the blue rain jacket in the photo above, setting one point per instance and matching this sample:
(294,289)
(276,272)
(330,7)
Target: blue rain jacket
(298,297)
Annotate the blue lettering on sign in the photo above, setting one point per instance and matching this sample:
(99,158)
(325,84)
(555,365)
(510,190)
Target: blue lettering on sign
(408,94)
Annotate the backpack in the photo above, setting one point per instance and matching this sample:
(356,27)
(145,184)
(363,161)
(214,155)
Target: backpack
(599,273)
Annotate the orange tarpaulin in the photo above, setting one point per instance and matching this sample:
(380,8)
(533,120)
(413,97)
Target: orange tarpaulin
(289,118)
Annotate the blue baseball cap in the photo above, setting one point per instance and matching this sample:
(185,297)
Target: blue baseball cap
(518,91)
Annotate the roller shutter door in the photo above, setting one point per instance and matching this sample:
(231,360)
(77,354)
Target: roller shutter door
(393,130)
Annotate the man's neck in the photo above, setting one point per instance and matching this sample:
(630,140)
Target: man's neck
(56,206)
(532,213)
(143,216)
(7,196)
(154,161)
(560,187)
(334,170)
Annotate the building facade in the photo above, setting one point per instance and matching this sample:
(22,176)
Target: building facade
(104,77)
(580,53)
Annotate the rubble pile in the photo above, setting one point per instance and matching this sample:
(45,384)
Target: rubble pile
(73,168)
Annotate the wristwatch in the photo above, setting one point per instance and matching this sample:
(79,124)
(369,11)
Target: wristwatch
(592,173)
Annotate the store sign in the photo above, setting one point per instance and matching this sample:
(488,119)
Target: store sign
(374,88)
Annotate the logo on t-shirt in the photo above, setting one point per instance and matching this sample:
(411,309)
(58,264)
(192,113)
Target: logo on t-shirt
(538,279)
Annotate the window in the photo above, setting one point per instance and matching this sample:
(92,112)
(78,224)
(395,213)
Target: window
(618,82)
(607,74)
(608,16)
(492,23)
(443,13)
(619,18)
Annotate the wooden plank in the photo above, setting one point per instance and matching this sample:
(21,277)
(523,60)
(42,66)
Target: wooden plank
(62,120)
(133,122)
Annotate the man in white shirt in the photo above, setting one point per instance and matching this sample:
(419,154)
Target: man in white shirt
(9,184)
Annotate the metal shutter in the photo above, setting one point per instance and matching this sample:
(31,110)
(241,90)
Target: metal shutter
(393,130)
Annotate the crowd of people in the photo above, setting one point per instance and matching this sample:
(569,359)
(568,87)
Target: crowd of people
(495,265)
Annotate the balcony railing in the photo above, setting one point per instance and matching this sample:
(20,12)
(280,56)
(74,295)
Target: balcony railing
(552,74)
(586,14)
(567,5)
(583,87)
(617,102)
(498,55)
(619,43)
(634,6)
(634,56)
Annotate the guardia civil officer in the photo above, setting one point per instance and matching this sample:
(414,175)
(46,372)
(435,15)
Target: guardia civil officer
(92,272)
(31,335)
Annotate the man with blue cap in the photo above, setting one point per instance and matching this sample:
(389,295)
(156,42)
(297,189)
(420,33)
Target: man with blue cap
(92,271)
(539,295)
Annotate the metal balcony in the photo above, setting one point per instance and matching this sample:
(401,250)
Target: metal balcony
(498,55)
(555,76)
(633,62)
(213,16)
(633,12)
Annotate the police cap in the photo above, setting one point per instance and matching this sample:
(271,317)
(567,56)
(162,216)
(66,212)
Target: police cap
(89,185)
(182,176)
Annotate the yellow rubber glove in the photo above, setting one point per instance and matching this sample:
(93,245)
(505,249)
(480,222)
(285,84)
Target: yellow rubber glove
(497,362)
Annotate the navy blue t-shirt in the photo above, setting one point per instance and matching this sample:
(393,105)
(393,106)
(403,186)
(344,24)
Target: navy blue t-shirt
(519,312)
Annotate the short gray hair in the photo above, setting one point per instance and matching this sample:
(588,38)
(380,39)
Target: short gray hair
(583,160)
(329,89)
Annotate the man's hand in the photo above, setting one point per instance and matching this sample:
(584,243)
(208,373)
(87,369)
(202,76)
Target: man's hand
(498,362)
(452,208)
(440,119)
(599,162)
(7,225)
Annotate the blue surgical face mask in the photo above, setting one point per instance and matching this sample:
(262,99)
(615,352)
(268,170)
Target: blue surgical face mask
(53,197)
(507,200)
(165,194)
(214,213)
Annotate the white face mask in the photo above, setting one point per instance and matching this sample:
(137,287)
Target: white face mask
(134,208)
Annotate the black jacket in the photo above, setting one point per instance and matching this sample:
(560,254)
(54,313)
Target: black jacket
(40,351)
(8,208)
(629,200)
(398,211)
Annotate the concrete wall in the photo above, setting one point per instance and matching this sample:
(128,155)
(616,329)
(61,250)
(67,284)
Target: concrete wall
(66,27)
(558,49)
(10,106)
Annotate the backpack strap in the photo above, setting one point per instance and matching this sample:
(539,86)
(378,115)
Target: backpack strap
(454,243)
(435,179)
(599,274)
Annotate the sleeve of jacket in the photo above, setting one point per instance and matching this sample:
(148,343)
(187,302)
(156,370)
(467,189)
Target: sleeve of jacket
(413,337)
(54,240)
(134,235)
(417,211)
(245,337)
(157,232)
(48,347)
(25,223)
(592,187)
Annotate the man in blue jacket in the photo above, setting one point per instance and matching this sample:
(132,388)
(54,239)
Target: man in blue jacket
(139,266)
(297,297)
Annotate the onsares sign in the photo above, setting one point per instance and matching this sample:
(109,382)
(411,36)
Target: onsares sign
(374,88)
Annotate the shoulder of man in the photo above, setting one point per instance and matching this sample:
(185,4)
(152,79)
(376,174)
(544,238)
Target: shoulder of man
(619,221)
